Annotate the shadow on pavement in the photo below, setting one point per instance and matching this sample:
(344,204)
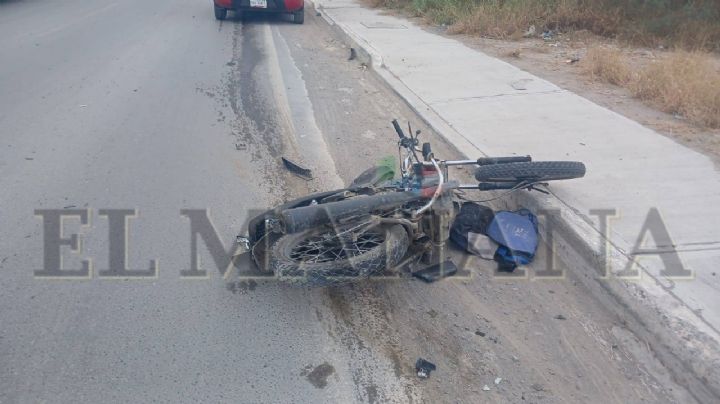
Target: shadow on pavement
(252,18)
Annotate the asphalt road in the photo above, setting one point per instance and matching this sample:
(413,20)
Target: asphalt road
(155,107)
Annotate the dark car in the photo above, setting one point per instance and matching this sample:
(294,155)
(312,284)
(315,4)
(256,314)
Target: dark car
(294,7)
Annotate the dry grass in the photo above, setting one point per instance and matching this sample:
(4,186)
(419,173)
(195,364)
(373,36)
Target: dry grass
(607,64)
(509,20)
(685,24)
(680,82)
(684,83)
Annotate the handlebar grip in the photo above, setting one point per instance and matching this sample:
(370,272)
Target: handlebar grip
(486,161)
(491,186)
(398,129)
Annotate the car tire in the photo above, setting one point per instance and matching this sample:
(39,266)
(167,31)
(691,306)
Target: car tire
(299,16)
(220,13)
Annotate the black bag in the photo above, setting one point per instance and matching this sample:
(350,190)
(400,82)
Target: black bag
(473,218)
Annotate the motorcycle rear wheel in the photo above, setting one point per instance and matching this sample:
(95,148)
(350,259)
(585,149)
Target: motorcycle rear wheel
(319,257)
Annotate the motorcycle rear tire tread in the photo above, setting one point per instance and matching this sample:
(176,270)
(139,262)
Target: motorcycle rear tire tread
(534,170)
(384,256)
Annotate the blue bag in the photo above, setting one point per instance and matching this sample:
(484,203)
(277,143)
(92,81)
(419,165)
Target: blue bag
(517,234)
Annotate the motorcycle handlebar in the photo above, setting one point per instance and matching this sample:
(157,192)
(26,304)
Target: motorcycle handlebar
(398,129)
(486,161)
(492,186)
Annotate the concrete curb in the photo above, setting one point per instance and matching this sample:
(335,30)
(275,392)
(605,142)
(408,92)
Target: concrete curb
(680,339)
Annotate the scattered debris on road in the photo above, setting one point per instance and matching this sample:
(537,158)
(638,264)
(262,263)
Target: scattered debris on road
(423,368)
(436,272)
(560,317)
(538,387)
(302,172)
(319,375)
(486,388)
(498,380)
(530,32)
(521,84)
(353,54)
(243,240)
(241,286)
(515,53)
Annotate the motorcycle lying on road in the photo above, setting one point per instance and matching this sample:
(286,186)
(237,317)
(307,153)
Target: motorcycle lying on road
(380,224)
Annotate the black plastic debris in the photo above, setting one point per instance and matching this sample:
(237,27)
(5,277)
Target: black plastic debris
(353,54)
(423,368)
(436,272)
(570,61)
(297,169)
(504,265)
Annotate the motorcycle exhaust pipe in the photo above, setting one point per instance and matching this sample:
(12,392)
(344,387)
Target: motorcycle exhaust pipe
(308,217)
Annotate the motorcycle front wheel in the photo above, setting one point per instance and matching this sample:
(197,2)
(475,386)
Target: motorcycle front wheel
(320,257)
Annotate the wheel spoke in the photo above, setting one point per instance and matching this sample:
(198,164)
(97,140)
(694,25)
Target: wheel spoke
(328,247)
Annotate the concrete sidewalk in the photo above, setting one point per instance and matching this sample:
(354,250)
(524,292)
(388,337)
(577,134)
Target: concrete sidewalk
(488,107)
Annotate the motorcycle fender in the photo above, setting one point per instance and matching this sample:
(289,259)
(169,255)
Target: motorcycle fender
(256,226)
(373,176)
